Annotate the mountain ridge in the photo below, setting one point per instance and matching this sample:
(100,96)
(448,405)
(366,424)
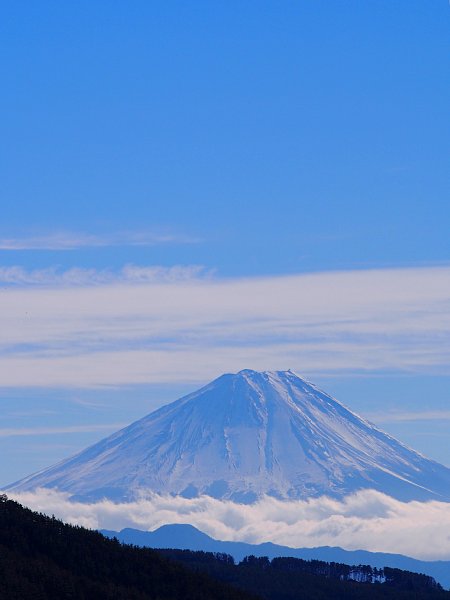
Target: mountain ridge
(187,537)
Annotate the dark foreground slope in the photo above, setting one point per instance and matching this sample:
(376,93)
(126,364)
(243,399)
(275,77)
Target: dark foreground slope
(296,579)
(42,558)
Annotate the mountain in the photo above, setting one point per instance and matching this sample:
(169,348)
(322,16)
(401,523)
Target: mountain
(242,436)
(187,537)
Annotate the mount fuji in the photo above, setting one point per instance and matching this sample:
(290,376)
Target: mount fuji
(243,436)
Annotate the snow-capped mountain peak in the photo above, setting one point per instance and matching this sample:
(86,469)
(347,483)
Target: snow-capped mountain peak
(245,435)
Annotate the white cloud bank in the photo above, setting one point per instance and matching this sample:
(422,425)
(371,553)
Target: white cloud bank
(367,520)
(189,328)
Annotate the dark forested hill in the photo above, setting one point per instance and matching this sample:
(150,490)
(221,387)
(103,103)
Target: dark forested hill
(296,579)
(42,558)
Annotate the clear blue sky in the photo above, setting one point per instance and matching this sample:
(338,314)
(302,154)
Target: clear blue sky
(250,139)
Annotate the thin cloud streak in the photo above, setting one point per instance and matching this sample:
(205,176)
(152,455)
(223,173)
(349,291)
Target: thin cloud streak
(52,277)
(188,326)
(31,431)
(67,240)
(367,520)
(400,417)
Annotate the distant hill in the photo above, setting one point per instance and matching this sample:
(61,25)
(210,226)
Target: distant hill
(189,538)
(243,436)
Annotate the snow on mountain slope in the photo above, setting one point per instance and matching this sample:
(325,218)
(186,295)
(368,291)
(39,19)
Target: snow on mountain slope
(242,436)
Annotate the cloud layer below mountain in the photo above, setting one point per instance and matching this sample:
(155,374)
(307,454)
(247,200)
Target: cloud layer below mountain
(367,520)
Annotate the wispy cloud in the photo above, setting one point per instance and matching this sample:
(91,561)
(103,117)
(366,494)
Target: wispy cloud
(367,520)
(66,240)
(180,326)
(54,277)
(31,431)
(399,417)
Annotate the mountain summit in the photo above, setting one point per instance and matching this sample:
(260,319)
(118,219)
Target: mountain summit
(242,436)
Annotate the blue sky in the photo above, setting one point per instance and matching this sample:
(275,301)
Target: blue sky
(267,182)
